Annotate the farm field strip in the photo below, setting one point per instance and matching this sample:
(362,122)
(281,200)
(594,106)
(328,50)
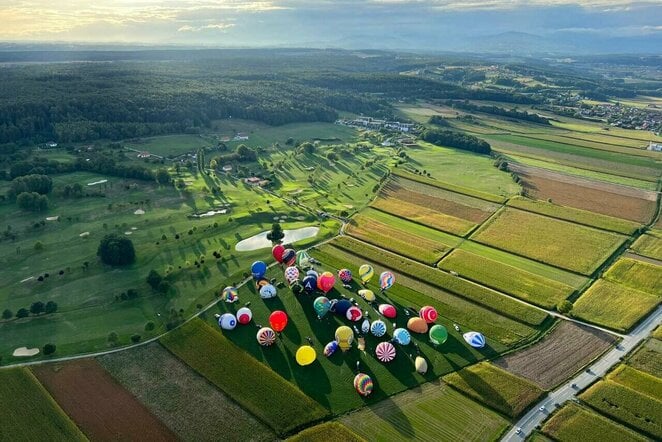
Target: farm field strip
(560,243)
(588,128)
(648,358)
(423,215)
(327,432)
(562,141)
(649,245)
(639,381)
(410,175)
(635,274)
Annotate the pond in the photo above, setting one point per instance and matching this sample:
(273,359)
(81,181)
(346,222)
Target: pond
(260,240)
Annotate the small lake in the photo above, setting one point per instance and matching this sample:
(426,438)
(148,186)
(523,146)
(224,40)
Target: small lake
(260,240)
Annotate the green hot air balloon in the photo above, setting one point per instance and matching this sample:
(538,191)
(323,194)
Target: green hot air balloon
(438,334)
(322,305)
(303,259)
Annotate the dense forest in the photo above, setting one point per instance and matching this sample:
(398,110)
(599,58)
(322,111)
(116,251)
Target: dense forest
(496,110)
(443,137)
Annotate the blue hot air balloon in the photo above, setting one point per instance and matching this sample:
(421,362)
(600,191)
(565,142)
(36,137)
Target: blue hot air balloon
(259,269)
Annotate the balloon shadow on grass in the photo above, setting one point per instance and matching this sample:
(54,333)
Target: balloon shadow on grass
(312,379)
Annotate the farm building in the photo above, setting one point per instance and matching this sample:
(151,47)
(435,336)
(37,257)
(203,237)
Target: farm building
(227,168)
(144,154)
(657,147)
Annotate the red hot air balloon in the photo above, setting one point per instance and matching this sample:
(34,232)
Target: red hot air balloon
(278,251)
(278,320)
(325,281)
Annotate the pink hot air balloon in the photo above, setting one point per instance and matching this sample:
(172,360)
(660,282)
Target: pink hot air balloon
(326,281)
(354,313)
(385,352)
(387,310)
(428,313)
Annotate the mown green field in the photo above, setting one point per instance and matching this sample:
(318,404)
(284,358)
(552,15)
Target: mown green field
(29,412)
(170,145)
(276,402)
(649,244)
(508,279)
(496,388)
(409,174)
(327,432)
(636,274)
(614,305)
(575,215)
(432,412)
(423,215)
(560,243)
(648,358)
(572,423)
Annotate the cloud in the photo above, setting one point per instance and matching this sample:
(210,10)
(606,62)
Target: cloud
(223,27)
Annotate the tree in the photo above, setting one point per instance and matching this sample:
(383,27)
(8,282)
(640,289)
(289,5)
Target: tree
(332,156)
(149,326)
(39,246)
(307,147)
(135,338)
(116,250)
(37,308)
(246,153)
(49,349)
(154,279)
(32,201)
(162,176)
(276,233)
(22,313)
(113,338)
(51,307)
(7,314)
(564,306)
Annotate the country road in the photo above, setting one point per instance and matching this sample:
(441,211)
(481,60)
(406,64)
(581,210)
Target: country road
(566,392)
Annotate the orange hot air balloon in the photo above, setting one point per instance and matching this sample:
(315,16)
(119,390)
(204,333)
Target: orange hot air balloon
(326,281)
(278,320)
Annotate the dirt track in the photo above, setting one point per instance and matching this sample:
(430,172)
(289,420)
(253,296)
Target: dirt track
(100,406)
(559,355)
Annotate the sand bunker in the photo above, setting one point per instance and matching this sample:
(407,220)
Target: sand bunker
(53,218)
(23,352)
(210,213)
(97,182)
(84,234)
(260,240)
(139,212)
(128,232)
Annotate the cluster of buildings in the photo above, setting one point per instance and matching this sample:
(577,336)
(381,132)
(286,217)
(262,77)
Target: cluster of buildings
(374,124)
(626,117)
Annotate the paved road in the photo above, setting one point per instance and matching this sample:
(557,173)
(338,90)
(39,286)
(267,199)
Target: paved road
(566,392)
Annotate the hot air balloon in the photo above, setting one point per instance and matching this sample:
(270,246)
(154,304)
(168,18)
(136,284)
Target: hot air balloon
(330,348)
(387,310)
(267,291)
(344,337)
(417,325)
(305,355)
(386,280)
(310,283)
(266,336)
(354,313)
(366,294)
(291,274)
(321,305)
(401,336)
(363,384)
(230,294)
(438,334)
(302,259)
(278,320)
(296,287)
(385,352)
(365,326)
(378,328)
(312,272)
(428,313)
(258,269)
(261,283)
(227,321)
(325,281)
(244,315)
(289,257)
(475,339)
(366,273)
(345,276)
(421,365)
(277,252)
(341,306)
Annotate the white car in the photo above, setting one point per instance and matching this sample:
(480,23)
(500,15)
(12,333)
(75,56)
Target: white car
(518,431)
(542,408)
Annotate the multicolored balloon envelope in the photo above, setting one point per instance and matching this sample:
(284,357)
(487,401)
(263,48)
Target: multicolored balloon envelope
(387,310)
(401,336)
(366,273)
(258,269)
(227,321)
(230,295)
(365,326)
(354,313)
(344,337)
(321,305)
(310,283)
(303,259)
(244,315)
(428,313)
(475,339)
(438,334)
(291,274)
(261,282)
(305,355)
(386,280)
(421,365)
(266,336)
(277,252)
(278,320)
(385,352)
(366,294)
(326,281)
(417,325)
(378,328)
(363,384)
(330,348)
(345,275)
(289,257)
(341,306)
(267,291)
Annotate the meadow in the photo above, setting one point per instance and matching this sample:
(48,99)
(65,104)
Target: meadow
(496,388)
(423,215)
(560,243)
(327,432)
(649,244)
(170,145)
(636,274)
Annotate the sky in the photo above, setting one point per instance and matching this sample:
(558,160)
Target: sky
(424,24)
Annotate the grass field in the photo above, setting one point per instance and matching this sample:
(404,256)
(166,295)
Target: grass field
(575,215)
(496,388)
(432,412)
(614,305)
(445,281)
(216,358)
(639,381)
(410,175)
(182,399)
(561,243)
(508,279)
(648,358)
(636,274)
(423,215)
(649,244)
(572,423)
(170,145)
(327,432)
(29,412)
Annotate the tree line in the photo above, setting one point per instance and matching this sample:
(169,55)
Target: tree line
(443,137)
(496,110)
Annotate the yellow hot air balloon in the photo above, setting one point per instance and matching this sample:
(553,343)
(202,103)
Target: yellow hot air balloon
(366,294)
(366,273)
(305,355)
(344,337)
(421,365)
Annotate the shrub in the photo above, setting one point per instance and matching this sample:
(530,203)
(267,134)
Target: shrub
(116,250)
(49,349)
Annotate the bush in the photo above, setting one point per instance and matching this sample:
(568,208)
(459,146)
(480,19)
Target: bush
(116,250)
(37,308)
(7,314)
(154,279)
(39,246)
(51,307)
(149,326)
(135,338)
(113,338)
(49,349)
(22,313)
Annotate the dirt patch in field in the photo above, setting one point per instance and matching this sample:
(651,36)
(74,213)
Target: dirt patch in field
(558,355)
(100,406)
(613,200)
